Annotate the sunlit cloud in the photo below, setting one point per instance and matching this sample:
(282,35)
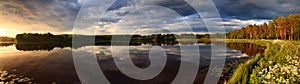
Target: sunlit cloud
(37,16)
(58,16)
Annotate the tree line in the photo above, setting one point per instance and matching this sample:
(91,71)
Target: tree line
(43,38)
(285,28)
(6,39)
(154,39)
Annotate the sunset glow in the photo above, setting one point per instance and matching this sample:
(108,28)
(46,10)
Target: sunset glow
(4,32)
(58,16)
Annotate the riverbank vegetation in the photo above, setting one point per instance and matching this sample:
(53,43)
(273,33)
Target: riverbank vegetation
(279,56)
(280,61)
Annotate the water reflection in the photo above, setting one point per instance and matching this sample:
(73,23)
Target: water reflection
(54,63)
(44,66)
(41,47)
(6,44)
(49,47)
(248,48)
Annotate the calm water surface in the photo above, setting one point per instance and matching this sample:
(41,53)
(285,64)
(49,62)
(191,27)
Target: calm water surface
(48,63)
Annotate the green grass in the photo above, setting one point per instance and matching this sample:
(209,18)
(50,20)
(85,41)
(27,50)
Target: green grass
(275,53)
(242,73)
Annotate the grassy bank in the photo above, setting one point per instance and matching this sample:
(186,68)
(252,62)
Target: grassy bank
(278,64)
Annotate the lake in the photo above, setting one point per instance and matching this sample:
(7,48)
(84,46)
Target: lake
(51,63)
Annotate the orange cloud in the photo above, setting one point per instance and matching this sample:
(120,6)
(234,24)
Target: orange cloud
(35,16)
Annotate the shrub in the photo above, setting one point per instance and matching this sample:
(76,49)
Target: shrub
(288,72)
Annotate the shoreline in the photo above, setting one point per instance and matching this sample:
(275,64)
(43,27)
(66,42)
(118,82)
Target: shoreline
(276,52)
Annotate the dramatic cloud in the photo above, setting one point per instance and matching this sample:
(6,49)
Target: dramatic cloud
(38,15)
(235,24)
(257,9)
(58,16)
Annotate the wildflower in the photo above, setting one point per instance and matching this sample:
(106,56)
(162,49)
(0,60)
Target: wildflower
(270,62)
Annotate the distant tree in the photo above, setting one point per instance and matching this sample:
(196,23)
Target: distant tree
(272,30)
(265,31)
(290,24)
(286,28)
(297,26)
(282,23)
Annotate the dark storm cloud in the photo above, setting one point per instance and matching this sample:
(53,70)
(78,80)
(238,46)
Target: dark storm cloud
(180,6)
(199,29)
(234,9)
(109,20)
(257,9)
(61,14)
(119,4)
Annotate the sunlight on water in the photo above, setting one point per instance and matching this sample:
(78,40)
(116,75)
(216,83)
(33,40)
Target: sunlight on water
(56,64)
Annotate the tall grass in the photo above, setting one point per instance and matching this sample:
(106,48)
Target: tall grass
(242,73)
(275,54)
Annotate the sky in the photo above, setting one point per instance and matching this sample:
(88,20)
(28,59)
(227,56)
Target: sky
(135,16)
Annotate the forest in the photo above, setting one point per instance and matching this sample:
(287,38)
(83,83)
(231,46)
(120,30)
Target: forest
(285,28)
(6,39)
(154,39)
